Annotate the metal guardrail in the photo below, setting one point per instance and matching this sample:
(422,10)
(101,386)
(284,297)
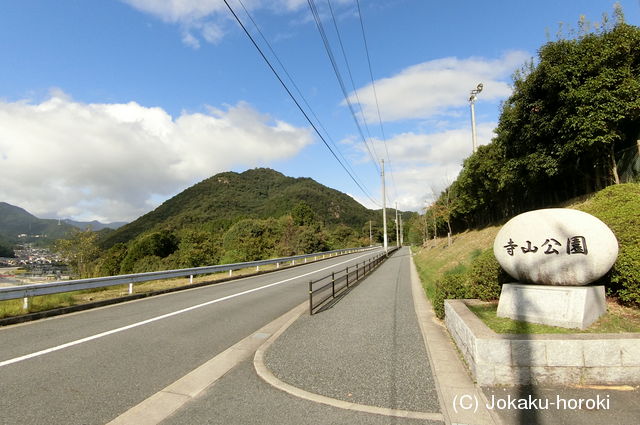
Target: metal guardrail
(335,285)
(32,290)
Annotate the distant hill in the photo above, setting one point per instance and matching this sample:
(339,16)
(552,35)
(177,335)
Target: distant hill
(256,193)
(15,221)
(94,225)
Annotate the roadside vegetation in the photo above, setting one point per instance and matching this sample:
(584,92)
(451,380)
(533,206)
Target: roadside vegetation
(568,136)
(468,269)
(11,308)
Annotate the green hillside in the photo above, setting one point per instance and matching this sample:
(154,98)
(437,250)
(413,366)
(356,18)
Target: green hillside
(230,217)
(219,201)
(16,221)
(468,269)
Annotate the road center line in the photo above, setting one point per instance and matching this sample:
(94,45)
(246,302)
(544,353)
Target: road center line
(164,316)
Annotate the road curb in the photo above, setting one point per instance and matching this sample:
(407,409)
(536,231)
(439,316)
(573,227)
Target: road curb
(450,374)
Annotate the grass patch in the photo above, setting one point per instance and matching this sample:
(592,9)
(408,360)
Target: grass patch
(618,319)
(466,268)
(10,308)
(439,258)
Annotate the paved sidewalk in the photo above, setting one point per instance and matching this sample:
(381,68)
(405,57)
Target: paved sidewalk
(367,349)
(378,356)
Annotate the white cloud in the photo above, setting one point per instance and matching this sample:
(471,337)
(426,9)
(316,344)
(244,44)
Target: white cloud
(438,87)
(114,161)
(178,10)
(206,19)
(425,164)
(436,92)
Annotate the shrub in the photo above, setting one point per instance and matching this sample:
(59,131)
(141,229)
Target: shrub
(625,276)
(157,244)
(618,207)
(483,279)
(486,277)
(451,285)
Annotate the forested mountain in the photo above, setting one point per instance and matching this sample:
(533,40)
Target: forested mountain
(219,201)
(230,217)
(15,221)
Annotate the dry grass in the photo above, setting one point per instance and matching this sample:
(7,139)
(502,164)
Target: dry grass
(437,256)
(11,308)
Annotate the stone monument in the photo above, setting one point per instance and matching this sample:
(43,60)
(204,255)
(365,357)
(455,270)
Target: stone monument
(555,254)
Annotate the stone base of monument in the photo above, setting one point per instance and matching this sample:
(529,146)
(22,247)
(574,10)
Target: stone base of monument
(565,306)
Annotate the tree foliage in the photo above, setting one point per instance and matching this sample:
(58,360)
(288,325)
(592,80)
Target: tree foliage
(80,251)
(6,248)
(560,134)
(156,244)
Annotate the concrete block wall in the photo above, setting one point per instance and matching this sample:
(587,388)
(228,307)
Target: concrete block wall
(551,359)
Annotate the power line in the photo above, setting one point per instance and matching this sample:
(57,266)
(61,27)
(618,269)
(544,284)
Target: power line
(375,94)
(304,100)
(294,99)
(327,46)
(353,85)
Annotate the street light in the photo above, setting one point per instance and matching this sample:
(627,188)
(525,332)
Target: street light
(472,100)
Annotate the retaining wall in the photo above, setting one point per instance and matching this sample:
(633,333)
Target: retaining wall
(547,359)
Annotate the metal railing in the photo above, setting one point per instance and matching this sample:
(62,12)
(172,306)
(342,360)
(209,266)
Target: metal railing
(32,290)
(332,287)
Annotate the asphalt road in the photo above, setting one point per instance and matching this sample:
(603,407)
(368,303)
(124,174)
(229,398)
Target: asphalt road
(366,349)
(89,367)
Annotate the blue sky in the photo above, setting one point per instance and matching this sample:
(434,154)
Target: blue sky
(108,108)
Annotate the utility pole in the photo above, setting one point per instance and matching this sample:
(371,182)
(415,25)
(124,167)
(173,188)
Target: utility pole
(472,101)
(397,228)
(401,232)
(370,235)
(384,210)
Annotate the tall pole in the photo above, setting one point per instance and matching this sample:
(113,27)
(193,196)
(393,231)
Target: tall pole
(370,234)
(474,142)
(397,228)
(472,101)
(401,231)
(384,210)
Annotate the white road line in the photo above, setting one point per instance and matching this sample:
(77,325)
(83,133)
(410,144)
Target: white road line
(164,316)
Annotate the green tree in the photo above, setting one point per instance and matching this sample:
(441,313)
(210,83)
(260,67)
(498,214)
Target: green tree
(6,250)
(109,263)
(198,248)
(79,251)
(303,214)
(250,240)
(560,133)
(157,244)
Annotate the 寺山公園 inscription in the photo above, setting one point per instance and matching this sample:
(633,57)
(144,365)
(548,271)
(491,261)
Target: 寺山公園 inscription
(556,246)
(573,245)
